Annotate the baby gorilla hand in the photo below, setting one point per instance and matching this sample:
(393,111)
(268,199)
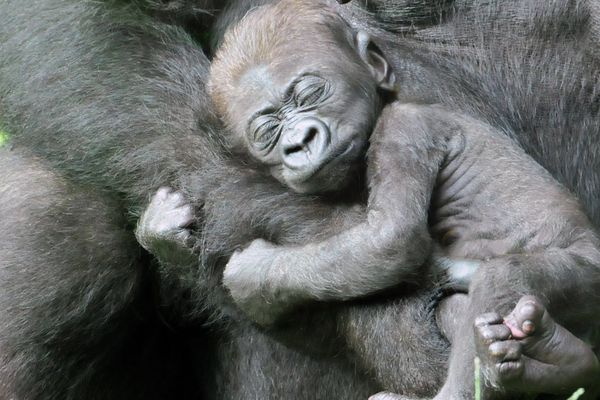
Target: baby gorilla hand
(162,228)
(254,278)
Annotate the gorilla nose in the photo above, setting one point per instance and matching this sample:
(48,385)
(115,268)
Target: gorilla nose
(305,143)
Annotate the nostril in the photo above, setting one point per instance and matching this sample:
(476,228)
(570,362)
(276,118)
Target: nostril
(292,149)
(304,140)
(310,135)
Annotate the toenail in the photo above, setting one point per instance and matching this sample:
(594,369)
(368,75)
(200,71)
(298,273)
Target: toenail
(528,327)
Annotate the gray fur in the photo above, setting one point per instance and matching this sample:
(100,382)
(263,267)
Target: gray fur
(111,98)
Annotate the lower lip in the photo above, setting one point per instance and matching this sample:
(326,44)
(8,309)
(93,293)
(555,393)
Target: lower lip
(333,155)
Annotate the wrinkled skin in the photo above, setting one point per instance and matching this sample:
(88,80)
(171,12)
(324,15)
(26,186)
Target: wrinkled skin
(111,99)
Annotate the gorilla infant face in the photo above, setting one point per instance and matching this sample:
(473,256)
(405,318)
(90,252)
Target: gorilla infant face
(309,120)
(301,99)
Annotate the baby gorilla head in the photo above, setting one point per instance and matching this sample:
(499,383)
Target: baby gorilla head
(300,90)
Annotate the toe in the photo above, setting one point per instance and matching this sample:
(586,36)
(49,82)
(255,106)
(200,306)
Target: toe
(526,317)
(488,319)
(489,334)
(509,371)
(184,238)
(508,350)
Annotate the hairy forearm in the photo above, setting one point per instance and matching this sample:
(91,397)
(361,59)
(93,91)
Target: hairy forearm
(386,248)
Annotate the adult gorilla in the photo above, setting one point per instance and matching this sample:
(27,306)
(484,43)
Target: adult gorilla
(109,97)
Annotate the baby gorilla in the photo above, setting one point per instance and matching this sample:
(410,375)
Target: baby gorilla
(307,106)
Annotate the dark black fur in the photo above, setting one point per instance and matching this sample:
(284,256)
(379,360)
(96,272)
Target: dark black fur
(78,315)
(111,95)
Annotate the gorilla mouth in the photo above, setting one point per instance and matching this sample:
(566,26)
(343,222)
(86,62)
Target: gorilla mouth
(336,156)
(332,173)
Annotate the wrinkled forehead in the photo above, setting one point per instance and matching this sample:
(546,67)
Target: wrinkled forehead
(260,87)
(263,86)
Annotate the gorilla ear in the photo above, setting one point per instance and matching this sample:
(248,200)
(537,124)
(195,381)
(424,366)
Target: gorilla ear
(375,60)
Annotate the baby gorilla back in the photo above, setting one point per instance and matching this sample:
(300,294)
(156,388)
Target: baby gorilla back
(491,199)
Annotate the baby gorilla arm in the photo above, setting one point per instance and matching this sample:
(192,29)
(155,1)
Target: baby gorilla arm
(266,280)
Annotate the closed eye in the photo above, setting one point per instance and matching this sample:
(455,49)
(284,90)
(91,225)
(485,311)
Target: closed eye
(263,132)
(310,91)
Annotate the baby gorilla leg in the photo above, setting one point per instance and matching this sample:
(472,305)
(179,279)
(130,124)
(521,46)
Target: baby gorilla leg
(529,352)
(448,314)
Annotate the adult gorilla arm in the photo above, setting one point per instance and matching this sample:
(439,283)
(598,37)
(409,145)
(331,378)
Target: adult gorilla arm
(79,316)
(108,95)
(105,92)
(56,297)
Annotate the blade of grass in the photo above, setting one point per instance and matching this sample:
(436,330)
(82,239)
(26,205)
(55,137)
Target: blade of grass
(477,378)
(578,393)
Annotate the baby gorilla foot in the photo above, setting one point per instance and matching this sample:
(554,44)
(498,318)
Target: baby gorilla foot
(529,352)
(162,228)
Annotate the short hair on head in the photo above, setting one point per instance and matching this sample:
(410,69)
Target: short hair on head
(258,38)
